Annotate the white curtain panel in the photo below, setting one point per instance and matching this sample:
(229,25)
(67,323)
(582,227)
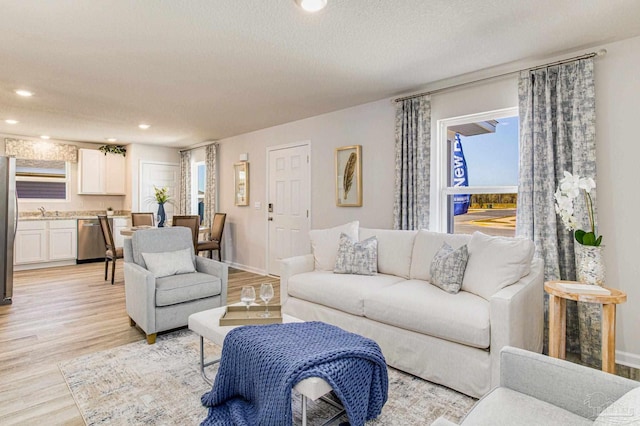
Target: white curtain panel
(184,203)
(211,188)
(412,179)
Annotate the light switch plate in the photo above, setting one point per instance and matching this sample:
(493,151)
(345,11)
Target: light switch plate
(257,205)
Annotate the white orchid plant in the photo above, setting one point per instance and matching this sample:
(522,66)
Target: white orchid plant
(570,189)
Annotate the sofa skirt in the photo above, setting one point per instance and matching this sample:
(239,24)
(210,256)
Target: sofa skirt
(460,367)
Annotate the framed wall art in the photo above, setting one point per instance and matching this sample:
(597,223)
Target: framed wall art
(241,183)
(349,176)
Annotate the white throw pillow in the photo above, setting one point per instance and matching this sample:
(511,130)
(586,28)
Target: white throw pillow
(169,263)
(325,244)
(357,257)
(623,411)
(495,263)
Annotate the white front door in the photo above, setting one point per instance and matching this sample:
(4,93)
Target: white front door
(289,203)
(158,175)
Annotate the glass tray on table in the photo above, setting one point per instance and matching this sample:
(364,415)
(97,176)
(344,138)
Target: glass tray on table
(237,315)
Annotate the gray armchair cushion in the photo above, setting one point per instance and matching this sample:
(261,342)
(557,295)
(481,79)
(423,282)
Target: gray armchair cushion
(507,407)
(159,240)
(169,263)
(181,288)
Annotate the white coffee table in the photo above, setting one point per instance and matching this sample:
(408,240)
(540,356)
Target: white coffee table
(206,324)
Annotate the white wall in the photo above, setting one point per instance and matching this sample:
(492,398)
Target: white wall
(618,151)
(372,126)
(137,153)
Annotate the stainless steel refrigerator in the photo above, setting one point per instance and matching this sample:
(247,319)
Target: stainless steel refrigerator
(8,226)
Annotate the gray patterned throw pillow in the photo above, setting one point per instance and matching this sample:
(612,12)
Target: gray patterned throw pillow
(448,266)
(360,258)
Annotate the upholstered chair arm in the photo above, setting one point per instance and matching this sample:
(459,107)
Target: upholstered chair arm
(582,390)
(217,269)
(140,296)
(517,317)
(290,267)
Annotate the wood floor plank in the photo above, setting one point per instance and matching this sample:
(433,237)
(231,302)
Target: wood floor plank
(59,314)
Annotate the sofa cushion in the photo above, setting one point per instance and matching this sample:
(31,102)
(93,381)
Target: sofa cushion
(338,291)
(325,244)
(504,406)
(169,263)
(426,245)
(624,411)
(357,257)
(448,266)
(394,250)
(421,307)
(495,263)
(185,288)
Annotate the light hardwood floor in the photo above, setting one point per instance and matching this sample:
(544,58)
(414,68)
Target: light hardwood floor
(59,314)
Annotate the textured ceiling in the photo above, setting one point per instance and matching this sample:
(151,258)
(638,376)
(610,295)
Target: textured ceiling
(199,70)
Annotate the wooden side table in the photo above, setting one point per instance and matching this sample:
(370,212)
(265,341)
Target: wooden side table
(558,296)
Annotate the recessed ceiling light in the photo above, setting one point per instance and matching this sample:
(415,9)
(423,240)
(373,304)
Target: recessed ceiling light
(24,93)
(9,121)
(144,126)
(45,137)
(111,139)
(312,5)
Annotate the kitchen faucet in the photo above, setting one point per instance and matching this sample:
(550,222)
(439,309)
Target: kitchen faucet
(42,210)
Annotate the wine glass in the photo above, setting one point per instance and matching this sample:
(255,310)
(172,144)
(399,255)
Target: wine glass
(247,296)
(266,294)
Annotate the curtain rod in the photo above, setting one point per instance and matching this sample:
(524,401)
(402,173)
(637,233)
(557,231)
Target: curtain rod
(601,52)
(198,145)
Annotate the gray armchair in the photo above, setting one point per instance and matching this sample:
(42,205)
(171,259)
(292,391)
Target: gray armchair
(538,390)
(172,283)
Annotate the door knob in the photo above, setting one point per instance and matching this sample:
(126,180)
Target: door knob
(270,219)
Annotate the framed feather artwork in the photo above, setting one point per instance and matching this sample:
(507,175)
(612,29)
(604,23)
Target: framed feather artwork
(349,176)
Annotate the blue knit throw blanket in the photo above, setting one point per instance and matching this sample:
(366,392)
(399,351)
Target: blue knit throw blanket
(261,364)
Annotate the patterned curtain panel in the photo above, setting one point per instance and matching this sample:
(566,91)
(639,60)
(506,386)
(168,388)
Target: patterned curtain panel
(412,180)
(210,188)
(557,133)
(41,150)
(184,205)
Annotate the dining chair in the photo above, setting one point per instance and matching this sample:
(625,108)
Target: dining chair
(143,219)
(215,237)
(189,221)
(111,251)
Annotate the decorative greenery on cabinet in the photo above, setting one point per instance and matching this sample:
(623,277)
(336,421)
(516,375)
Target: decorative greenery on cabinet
(113,149)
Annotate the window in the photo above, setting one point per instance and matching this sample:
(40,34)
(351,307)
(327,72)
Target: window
(477,173)
(42,179)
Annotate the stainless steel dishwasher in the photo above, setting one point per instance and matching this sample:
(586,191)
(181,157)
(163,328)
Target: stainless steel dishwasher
(91,245)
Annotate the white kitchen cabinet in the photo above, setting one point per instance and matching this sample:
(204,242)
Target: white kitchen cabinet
(119,224)
(63,240)
(100,174)
(30,243)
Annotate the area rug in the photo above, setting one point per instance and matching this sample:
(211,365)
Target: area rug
(161,384)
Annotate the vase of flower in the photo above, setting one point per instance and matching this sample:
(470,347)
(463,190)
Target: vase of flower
(161,196)
(162,216)
(589,260)
(590,270)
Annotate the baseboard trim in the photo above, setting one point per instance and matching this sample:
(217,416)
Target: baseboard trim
(628,359)
(247,268)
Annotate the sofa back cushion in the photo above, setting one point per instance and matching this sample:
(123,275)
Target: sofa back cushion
(394,250)
(427,244)
(325,242)
(495,263)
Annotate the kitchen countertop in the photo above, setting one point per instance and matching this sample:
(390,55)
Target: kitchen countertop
(74,217)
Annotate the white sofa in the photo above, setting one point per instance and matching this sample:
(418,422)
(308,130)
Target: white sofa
(451,339)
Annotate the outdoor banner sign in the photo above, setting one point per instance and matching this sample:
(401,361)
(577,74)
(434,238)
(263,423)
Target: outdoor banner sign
(460,178)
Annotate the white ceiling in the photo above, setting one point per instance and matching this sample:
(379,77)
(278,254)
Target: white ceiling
(201,70)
